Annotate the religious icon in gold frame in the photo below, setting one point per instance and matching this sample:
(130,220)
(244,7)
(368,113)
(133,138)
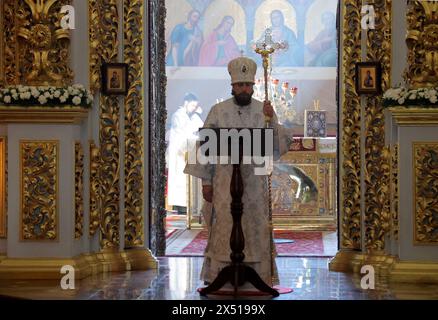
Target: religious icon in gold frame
(368,78)
(115,78)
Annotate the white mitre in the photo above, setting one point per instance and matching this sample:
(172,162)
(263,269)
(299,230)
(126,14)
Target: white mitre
(242,69)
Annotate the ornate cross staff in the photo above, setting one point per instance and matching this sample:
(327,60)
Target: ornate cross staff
(265,49)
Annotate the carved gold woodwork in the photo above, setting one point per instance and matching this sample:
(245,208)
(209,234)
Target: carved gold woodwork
(37,114)
(42,49)
(425,171)
(394,191)
(39,190)
(10,43)
(3,192)
(377,159)
(422,39)
(133,160)
(350,233)
(315,211)
(94,44)
(109,130)
(2,46)
(95,189)
(79,190)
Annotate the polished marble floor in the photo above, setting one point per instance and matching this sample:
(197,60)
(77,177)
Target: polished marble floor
(178,279)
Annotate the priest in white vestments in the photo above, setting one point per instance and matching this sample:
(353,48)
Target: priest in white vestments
(241,111)
(185,124)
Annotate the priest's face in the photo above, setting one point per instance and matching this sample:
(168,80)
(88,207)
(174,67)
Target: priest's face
(242,92)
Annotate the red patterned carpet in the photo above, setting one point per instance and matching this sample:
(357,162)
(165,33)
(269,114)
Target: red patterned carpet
(305,243)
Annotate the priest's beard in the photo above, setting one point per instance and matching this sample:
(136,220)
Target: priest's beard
(242,99)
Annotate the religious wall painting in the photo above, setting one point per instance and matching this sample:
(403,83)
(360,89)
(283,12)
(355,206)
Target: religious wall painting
(320,34)
(281,17)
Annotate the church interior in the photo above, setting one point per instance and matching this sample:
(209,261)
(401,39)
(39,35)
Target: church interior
(100,99)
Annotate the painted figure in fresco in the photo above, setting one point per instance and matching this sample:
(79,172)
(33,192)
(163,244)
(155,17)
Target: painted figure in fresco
(281,33)
(324,46)
(220,46)
(185,42)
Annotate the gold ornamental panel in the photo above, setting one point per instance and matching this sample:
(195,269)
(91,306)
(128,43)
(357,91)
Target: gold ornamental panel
(39,190)
(95,189)
(3,192)
(9,42)
(2,46)
(43,44)
(304,190)
(425,177)
(421,40)
(394,191)
(79,190)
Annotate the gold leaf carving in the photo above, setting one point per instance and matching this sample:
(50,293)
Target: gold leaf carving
(426,192)
(351,215)
(43,45)
(133,56)
(421,39)
(95,189)
(79,191)
(377,159)
(39,189)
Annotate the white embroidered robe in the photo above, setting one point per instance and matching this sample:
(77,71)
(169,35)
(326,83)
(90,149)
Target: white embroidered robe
(255,218)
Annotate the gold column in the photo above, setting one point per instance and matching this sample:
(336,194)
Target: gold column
(377,157)
(95,189)
(79,190)
(94,36)
(350,231)
(133,56)
(109,132)
(422,70)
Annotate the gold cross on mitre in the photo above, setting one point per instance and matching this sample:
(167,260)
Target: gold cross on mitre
(265,48)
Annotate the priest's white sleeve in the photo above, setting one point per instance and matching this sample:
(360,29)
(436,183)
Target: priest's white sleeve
(193,167)
(282,138)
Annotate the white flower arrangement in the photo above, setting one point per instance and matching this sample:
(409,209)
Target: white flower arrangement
(75,95)
(427,97)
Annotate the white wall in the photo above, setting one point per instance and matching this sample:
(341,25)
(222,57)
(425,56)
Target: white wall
(66,136)
(409,251)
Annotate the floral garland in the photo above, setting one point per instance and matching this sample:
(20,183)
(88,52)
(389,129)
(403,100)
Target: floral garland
(75,95)
(425,97)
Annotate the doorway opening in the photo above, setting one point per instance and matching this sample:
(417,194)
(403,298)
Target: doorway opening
(303,90)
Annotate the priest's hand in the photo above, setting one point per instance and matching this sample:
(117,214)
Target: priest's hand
(207,193)
(268,110)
